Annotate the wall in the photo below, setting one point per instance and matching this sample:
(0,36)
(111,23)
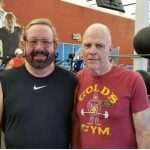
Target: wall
(69,18)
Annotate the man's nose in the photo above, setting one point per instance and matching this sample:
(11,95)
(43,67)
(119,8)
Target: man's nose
(39,44)
(93,49)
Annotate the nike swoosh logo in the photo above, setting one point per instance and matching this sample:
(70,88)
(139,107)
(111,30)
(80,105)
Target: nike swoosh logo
(38,87)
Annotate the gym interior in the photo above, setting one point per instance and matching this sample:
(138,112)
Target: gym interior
(71,19)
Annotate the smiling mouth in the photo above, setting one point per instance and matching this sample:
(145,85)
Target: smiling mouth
(39,57)
(93,59)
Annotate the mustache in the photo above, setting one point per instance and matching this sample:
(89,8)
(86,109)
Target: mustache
(34,53)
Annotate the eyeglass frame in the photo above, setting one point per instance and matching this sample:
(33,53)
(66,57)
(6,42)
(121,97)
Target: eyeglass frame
(37,41)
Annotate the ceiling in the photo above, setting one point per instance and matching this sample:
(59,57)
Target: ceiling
(129,5)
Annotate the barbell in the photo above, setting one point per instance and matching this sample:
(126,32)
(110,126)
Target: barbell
(131,55)
(141,44)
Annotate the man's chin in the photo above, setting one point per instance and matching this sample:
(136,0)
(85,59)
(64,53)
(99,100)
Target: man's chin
(40,64)
(93,66)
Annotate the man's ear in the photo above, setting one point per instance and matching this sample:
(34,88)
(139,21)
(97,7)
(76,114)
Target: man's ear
(22,44)
(111,45)
(110,50)
(56,54)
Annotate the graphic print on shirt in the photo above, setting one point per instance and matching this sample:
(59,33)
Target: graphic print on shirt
(96,109)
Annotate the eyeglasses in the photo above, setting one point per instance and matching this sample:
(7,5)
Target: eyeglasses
(45,43)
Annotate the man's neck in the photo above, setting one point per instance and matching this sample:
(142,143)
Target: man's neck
(10,30)
(40,72)
(102,71)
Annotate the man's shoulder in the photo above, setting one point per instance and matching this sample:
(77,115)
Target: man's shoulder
(11,72)
(125,73)
(64,72)
(84,72)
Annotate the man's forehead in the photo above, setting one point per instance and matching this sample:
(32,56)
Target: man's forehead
(40,31)
(96,36)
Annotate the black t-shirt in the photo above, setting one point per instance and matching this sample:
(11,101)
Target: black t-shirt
(37,111)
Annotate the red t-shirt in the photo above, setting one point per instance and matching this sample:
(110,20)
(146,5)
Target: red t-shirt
(18,62)
(105,107)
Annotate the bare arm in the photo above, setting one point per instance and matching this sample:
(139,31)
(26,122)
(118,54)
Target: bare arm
(10,64)
(1,109)
(142,127)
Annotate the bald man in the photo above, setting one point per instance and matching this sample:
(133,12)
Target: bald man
(113,111)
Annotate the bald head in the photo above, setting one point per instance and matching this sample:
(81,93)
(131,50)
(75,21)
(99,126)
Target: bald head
(98,30)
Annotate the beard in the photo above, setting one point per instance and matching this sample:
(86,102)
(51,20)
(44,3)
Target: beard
(40,63)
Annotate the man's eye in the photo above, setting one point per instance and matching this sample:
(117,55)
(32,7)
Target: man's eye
(99,46)
(46,42)
(87,45)
(32,42)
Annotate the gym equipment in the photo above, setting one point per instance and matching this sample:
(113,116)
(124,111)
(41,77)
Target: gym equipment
(141,42)
(114,55)
(146,78)
(131,55)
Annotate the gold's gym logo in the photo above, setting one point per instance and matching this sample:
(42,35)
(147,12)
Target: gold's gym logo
(104,91)
(95,130)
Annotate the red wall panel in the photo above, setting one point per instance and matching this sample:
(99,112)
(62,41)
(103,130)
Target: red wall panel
(69,18)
